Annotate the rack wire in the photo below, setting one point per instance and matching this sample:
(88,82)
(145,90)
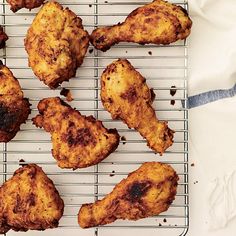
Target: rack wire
(163,66)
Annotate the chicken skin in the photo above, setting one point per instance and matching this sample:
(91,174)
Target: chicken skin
(14,108)
(78,141)
(56,44)
(29,201)
(125,94)
(148,191)
(158,22)
(29,4)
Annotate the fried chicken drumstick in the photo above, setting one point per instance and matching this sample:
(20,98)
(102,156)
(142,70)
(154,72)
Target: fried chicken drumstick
(147,191)
(56,43)
(14,108)
(78,141)
(125,94)
(158,22)
(29,4)
(29,200)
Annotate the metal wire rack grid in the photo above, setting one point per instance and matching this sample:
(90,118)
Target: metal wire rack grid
(163,66)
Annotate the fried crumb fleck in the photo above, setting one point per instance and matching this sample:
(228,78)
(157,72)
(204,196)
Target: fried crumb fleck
(173,90)
(111,175)
(123,139)
(172,102)
(67,93)
(150,53)
(192,164)
(91,50)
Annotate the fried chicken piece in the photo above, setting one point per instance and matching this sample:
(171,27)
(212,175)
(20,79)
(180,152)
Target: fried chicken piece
(78,141)
(14,108)
(148,191)
(29,4)
(126,96)
(56,43)
(29,200)
(3,38)
(158,22)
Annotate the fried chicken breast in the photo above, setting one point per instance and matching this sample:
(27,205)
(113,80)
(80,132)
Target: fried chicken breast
(3,38)
(125,94)
(78,141)
(14,108)
(29,200)
(158,22)
(29,4)
(147,191)
(56,44)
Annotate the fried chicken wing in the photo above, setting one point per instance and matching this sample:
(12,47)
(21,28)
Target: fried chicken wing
(126,96)
(158,22)
(14,108)
(56,43)
(29,4)
(147,191)
(78,141)
(29,200)
(3,38)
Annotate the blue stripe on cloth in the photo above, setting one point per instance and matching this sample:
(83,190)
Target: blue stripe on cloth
(211,96)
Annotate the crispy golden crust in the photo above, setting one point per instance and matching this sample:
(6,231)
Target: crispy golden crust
(126,96)
(145,192)
(14,108)
(29,200)
(29,4)
(3,38)
(158,22)
(78,141)
(56,43)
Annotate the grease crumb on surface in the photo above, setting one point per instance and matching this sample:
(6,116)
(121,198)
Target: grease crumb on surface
(160,224)
(150,53)
(106,2)
(91,50)
(164,220)
(173,90)
(126,51)
(192,164)
(66,93)
(90,5)
(21,162)
(123,139)
(111,175)
(172,102)
(196,182)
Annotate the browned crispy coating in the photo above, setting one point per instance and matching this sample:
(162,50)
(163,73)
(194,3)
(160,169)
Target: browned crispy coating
(14,108)
(158,22)
(78,141)
(56,44)
(126,96)
(29,200)
(29,4)
(3,38)
(147,191)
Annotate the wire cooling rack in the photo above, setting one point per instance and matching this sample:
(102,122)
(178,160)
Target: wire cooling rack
(163,66)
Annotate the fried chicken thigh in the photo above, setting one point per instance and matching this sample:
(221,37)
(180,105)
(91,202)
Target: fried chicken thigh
(126,96)
(78,141)
(29,200)
(158,22)
(14,108)
(3,38)
(29,4)
(56,43)
(147,191)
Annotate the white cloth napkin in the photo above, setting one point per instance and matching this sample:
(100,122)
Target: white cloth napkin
(212,43)
(212,66)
